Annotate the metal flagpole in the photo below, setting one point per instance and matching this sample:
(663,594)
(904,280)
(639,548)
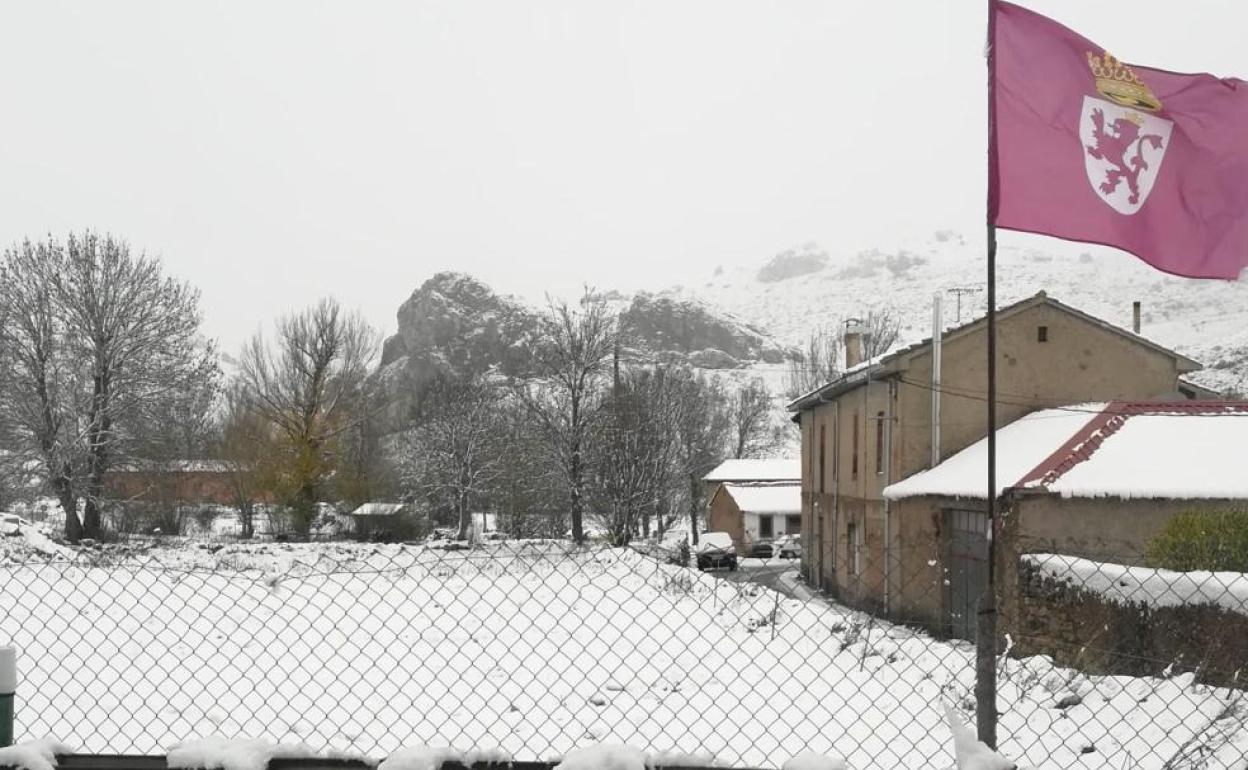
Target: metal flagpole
(986,623)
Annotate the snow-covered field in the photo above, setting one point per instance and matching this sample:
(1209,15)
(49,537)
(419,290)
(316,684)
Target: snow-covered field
(534,650)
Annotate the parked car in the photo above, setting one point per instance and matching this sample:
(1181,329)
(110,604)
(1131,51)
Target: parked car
(11,524)
(789,547)
(715,550)
(762,549)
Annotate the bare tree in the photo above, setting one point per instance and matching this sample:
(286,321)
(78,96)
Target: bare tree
(528,493)
(822,359)
(243,445)
(880,330)
(819,362)
(364,470)
(635,452)
(452,454)
(752,420)
(572,360)
(309,385)
(702,428)
(96,340)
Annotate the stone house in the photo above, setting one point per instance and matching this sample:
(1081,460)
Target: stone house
(751,512)
(767,470)
(1091,481)
(885,419)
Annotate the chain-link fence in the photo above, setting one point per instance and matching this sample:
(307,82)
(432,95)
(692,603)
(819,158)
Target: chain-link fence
(536,648)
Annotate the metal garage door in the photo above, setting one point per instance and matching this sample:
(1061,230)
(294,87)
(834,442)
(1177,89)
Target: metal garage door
(968,569)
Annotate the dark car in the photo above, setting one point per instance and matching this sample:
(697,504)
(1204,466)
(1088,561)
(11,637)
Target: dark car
(762,549)
(789,547)
(715,550)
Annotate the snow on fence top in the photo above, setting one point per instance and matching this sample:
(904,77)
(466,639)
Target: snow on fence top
(1130,450)
(1151,587)
(769,469)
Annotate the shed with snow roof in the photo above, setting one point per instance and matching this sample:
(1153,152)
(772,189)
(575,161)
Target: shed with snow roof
(379,521)
(1097,481)
(751,512)
(762,470)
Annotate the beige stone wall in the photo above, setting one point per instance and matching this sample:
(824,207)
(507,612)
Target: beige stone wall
(1107,529)
(1080,362)
(921,554)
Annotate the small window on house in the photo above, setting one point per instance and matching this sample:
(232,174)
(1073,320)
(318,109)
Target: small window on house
(879,443)
(853,465)
(765,528)
(1042,333)
(793,525)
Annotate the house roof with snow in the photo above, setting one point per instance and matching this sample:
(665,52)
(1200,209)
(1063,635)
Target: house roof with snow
(379,509)
(765,498)
(885,364)
(768,469)
(1153,450)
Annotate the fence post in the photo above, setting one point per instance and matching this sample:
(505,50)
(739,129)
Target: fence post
(8,686)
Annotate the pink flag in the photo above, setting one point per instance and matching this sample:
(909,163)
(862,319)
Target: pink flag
(1087,148)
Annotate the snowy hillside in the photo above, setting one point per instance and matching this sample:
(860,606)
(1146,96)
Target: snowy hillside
(807,286)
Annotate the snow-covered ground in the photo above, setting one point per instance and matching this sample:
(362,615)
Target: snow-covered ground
(533,650)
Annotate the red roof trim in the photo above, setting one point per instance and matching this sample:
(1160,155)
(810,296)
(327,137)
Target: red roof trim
(1064,455)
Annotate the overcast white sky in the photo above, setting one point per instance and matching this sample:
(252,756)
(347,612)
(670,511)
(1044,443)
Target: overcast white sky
(276,152)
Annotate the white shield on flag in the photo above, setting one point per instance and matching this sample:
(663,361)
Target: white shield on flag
(1122,151)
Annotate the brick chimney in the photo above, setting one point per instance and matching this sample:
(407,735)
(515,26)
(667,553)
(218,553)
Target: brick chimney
(853,343)
(1135,316)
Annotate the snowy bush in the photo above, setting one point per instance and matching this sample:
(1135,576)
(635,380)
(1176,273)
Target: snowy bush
(1202,540)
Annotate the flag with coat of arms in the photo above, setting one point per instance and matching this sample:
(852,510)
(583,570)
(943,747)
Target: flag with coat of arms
(1085,147)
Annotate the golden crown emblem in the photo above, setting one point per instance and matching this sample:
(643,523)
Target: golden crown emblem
(1119,83)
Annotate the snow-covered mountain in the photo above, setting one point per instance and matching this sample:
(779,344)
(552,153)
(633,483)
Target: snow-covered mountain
(748,321)
(454,324)
(804,287)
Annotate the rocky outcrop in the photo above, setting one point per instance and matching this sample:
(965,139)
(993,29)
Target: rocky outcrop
(669,324)
(792,263)
(455,325)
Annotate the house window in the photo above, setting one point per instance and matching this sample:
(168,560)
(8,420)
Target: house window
(823,442)
(854,536)
(793,525)
(879,443)
(765,528)
(1042,334)
(853,463)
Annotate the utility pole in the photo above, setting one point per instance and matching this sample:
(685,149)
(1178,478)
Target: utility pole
(8,688)
(958,291)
